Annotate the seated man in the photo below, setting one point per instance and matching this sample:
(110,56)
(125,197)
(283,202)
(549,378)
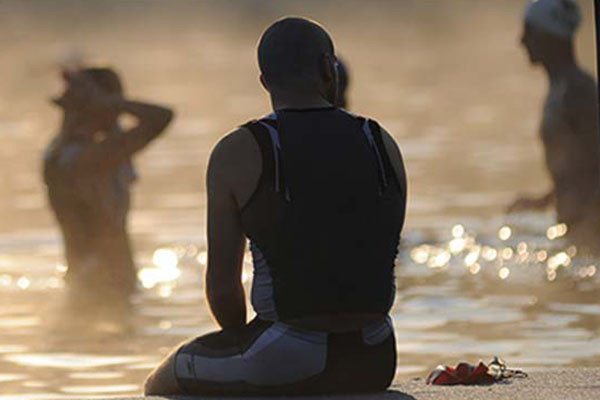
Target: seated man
(569,127)
(88,173)
(321,195)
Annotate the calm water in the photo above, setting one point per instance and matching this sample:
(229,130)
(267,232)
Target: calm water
(448,80)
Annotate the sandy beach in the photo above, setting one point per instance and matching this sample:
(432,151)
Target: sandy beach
(555,384)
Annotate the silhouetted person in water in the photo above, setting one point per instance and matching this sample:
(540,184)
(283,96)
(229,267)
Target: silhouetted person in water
(88,173)
(321,195)
(569,128)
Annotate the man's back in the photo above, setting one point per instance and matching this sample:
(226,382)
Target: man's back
(325,217)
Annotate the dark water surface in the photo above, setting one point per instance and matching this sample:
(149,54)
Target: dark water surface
(447,78)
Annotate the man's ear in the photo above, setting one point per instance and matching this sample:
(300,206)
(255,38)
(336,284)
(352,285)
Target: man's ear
(263,82)
(328,69)
(329,78)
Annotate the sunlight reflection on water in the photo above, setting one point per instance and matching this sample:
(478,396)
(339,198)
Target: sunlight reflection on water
(449,305)
(165,270)
(70,361)
(554,257)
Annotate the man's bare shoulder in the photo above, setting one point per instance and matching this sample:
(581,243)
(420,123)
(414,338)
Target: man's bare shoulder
(235,150)
(234,142)
(580,104)
(580,91)
(235,164)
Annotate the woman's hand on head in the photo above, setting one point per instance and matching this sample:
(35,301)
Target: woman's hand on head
(79,91)
(83,93)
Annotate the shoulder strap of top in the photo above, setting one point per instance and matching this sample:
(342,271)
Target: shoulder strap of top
(371,130)
(266,134)
(261,136)
(390,171)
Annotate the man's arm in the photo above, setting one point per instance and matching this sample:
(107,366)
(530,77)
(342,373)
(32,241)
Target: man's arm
(524,203)
(233,172)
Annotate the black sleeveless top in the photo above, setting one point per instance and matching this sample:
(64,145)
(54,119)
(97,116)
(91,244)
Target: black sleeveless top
(325,219)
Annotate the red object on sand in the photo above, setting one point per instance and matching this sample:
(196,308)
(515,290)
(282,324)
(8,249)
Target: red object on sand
(462,374)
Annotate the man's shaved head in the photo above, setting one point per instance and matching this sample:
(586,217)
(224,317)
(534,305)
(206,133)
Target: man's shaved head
(291,52)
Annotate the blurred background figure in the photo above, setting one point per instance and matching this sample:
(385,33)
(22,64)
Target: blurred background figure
(569,129)
(88,173)
(343,83)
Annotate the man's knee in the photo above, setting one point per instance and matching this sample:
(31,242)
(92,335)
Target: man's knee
(163,381)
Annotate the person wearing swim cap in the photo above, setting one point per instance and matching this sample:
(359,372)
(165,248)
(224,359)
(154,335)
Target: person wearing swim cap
(569,128)
(321,195)
(88,173)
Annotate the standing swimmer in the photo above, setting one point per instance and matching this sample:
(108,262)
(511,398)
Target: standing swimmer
(88,173)
(569,127)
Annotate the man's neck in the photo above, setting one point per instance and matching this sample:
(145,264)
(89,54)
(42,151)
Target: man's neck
(560,66)
(281,101)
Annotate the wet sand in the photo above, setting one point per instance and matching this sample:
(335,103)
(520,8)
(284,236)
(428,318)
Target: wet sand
(556,384)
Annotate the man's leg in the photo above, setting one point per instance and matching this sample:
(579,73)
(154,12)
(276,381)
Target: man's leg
(260,358)
(162,381)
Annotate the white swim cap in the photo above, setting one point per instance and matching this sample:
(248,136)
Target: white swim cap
(557,17)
